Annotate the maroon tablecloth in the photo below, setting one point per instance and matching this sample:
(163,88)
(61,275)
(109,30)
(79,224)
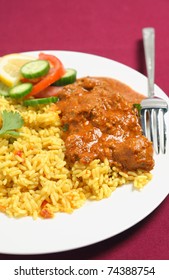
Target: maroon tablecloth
(110,28)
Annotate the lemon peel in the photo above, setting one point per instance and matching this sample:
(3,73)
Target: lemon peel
(10,68)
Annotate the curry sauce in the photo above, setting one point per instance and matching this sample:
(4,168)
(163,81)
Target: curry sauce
(99,121)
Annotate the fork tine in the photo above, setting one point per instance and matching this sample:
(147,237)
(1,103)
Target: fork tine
(165,133)
(151,124)
(157,130)
(143,121)
(154,133)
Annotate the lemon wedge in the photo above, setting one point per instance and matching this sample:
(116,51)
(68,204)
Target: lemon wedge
(10,66)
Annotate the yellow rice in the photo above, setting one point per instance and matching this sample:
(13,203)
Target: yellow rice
(33,168)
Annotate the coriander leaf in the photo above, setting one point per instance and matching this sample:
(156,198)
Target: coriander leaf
(137,106)
(65,127)
(13,133)
(11,121)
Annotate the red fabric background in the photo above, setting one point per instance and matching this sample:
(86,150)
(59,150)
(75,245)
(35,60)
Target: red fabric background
(110,28)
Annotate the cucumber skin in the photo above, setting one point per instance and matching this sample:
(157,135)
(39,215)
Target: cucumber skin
(66,80)
(4,90)
(4,93)
(40,101)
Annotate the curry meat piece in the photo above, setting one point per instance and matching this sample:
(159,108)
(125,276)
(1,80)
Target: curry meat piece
(99,122)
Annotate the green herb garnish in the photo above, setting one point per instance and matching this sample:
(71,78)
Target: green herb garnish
(65,127)
(138,107)
(11,121)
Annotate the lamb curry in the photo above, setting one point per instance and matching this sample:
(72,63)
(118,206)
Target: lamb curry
(99,121)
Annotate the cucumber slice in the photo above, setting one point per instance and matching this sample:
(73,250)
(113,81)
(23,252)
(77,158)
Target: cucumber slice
(35,69)
(68,78)
(20,90)
(38,101)
(4,90)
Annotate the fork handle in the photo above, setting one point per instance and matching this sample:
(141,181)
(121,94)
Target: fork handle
(149,49)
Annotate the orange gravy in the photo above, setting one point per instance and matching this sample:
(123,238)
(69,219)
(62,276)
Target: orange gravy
(99,121)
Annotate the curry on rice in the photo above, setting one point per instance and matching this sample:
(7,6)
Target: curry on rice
(83,147)
(101,123)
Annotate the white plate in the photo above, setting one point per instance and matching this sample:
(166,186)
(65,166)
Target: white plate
(96,221)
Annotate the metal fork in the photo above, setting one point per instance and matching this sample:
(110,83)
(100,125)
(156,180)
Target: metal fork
(153,108)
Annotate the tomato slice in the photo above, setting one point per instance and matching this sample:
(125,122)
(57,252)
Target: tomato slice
(55,73)
(49,91)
